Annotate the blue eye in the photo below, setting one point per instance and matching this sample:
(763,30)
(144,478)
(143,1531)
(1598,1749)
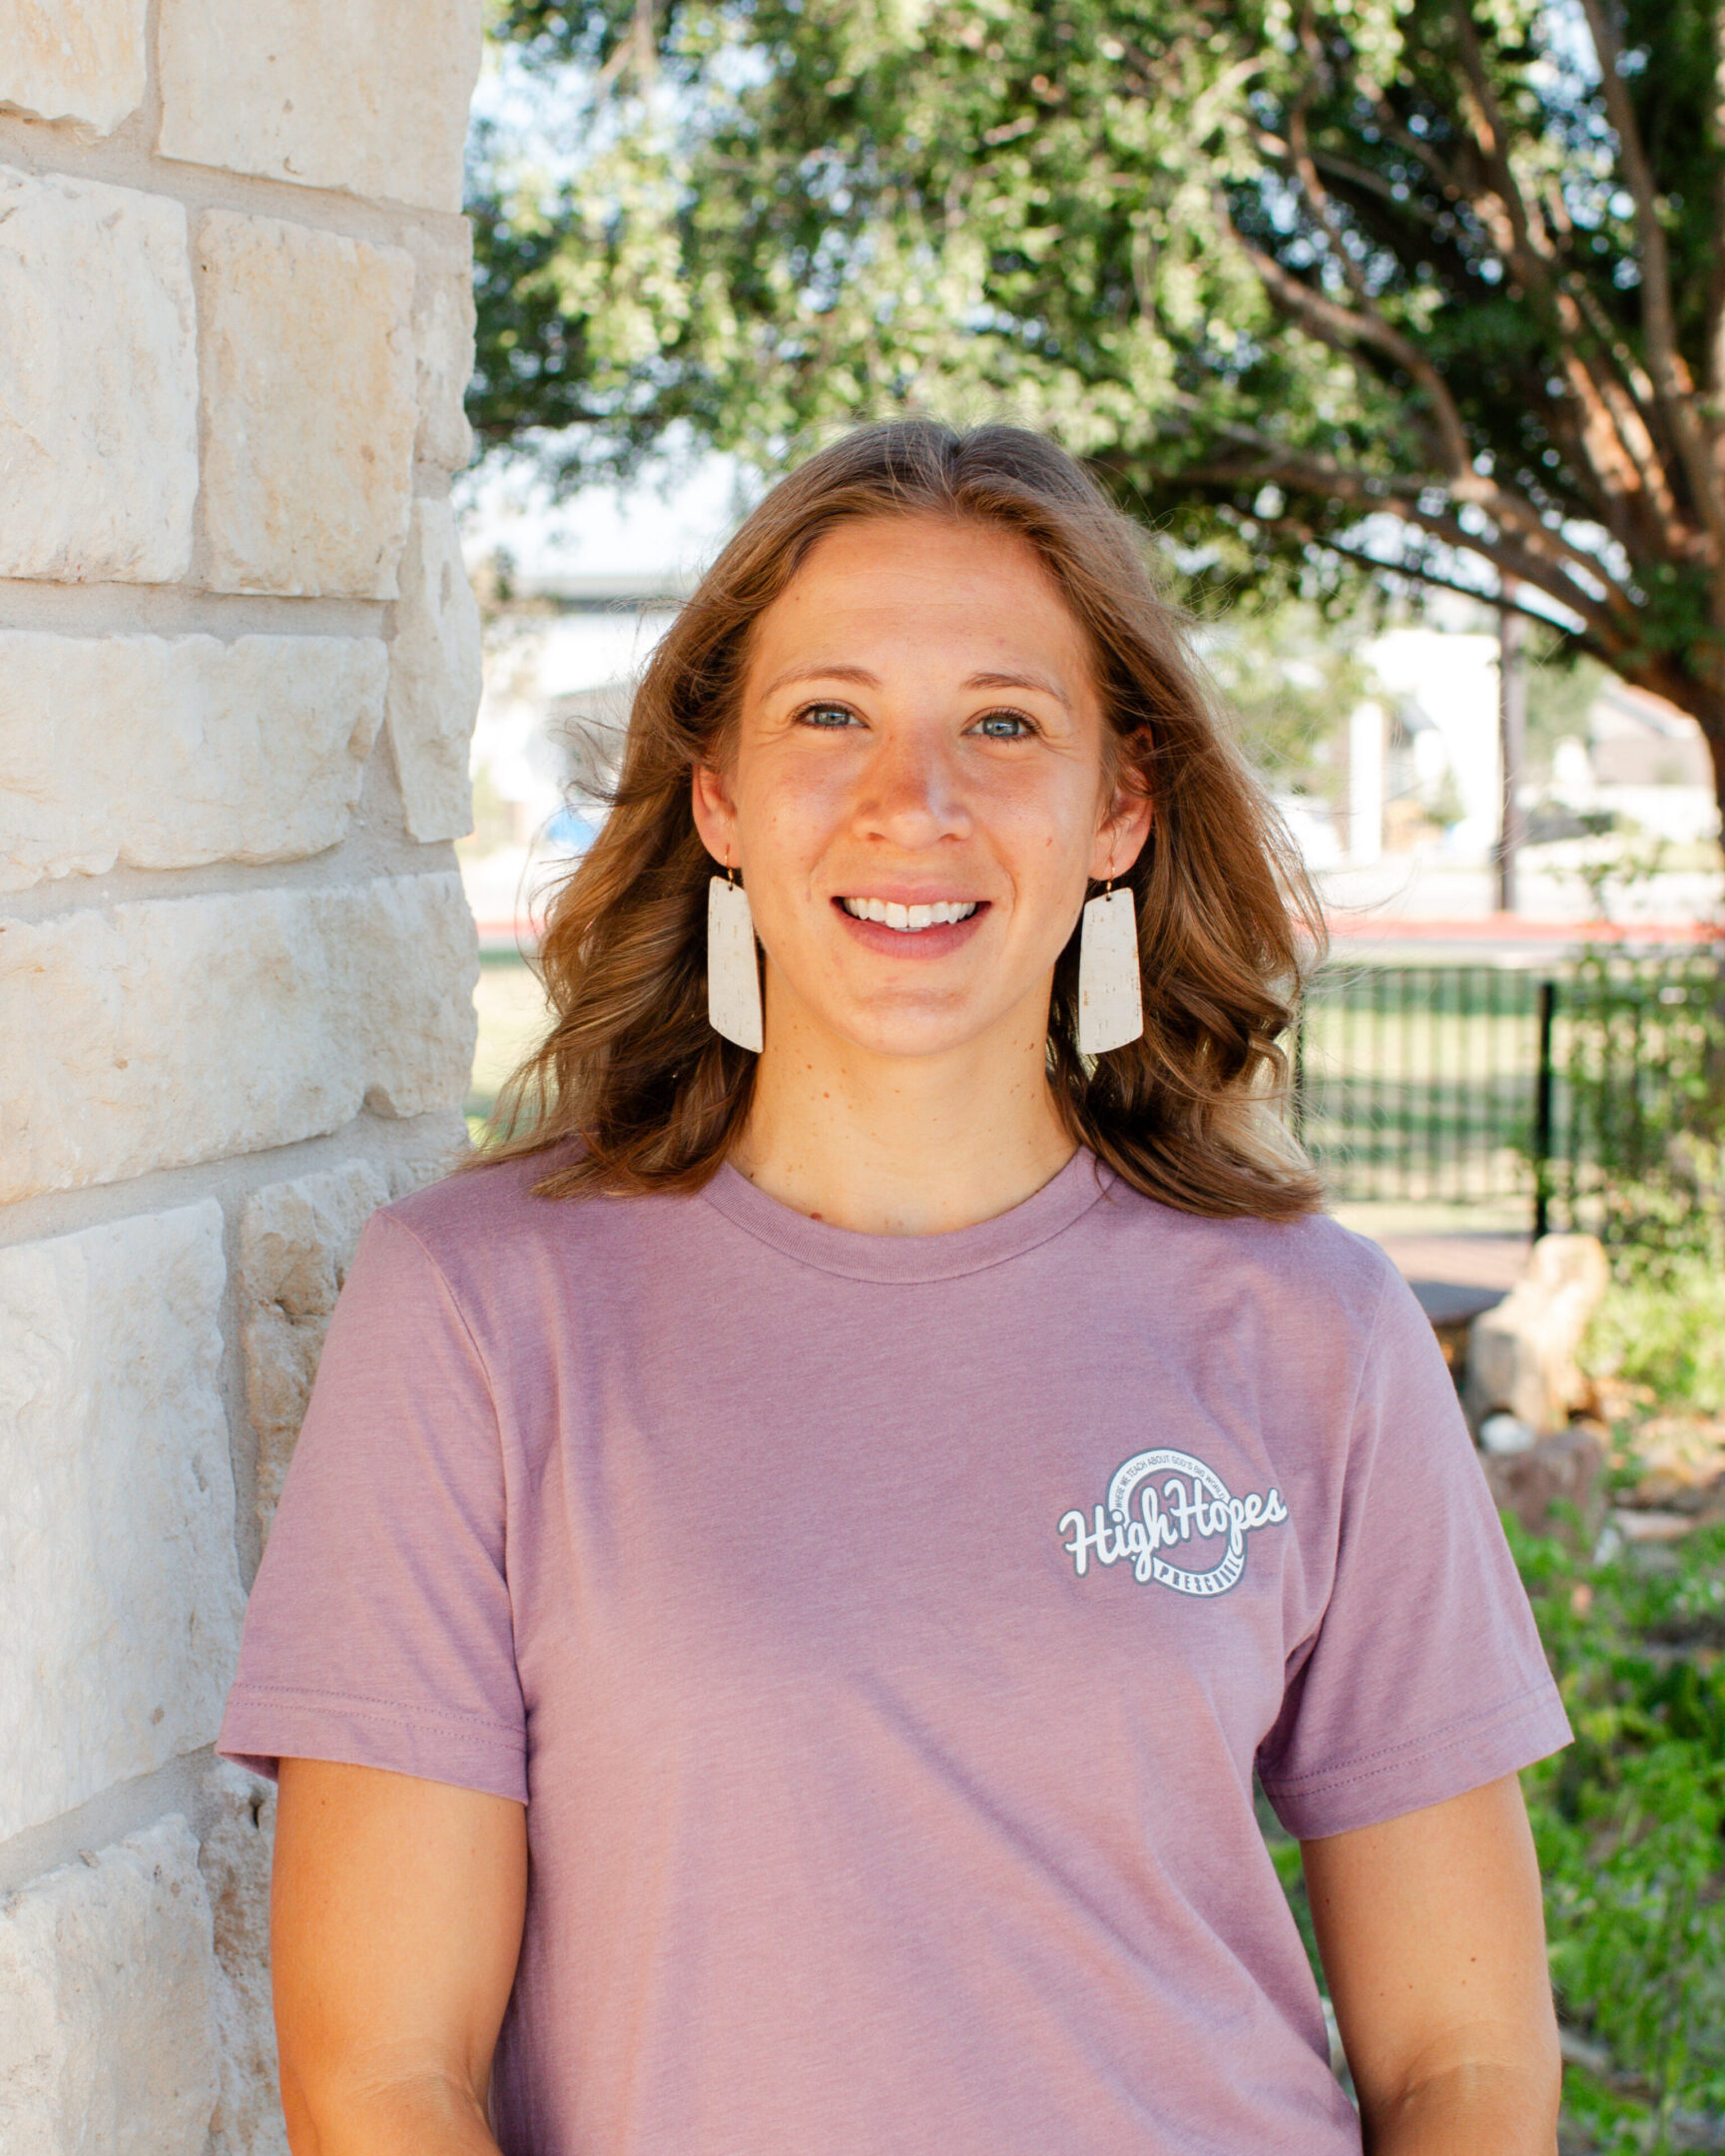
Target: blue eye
(1004,726)
(831,716)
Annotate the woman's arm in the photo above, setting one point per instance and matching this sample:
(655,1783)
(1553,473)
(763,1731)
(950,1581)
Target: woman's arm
(1434,1942)
(396,1923)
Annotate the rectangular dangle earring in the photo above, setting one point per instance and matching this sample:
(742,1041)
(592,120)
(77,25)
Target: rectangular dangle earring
(732,970)
(1110,978)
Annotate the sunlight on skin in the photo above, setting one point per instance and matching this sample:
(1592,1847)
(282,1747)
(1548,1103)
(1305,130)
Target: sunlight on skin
(921,724)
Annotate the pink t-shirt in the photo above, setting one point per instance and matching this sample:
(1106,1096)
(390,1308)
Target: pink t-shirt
(882,1633)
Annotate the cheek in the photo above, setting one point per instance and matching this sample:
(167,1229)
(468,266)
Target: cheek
(788,808)
(1044,821)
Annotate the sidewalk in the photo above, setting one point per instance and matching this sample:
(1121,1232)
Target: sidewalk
(1455,1269)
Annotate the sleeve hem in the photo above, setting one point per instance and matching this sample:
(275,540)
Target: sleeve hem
(1409,1777)
(260,1730)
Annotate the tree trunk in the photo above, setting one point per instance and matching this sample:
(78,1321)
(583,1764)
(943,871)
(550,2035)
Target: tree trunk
(1702,699)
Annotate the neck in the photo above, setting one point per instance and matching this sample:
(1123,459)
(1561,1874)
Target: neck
(900,1145)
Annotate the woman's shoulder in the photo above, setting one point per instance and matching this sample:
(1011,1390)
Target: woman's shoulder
(1308,1264)
(491,1214)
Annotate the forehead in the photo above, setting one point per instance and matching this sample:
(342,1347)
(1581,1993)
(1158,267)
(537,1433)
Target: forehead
(923,588)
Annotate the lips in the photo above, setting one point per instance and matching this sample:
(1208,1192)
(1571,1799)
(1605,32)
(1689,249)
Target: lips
(911,920)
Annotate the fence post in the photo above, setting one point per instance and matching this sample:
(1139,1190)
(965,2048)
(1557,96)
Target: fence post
(1299,1077)
(1542,1091)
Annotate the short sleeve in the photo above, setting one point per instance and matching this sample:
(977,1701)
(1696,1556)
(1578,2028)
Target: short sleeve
(380,1627)
(1425,1677)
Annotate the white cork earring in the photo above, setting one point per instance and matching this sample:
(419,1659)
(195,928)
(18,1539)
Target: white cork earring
(1110,978)
(732,971)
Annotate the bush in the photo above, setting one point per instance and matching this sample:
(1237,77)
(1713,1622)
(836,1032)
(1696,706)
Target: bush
(1643,1085)
(1661,1327)
(1629,1824)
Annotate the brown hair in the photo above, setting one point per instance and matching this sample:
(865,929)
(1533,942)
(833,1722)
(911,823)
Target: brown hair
(631,1067)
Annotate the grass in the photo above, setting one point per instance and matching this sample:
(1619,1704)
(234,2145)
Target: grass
(512,1019)
(1419,1081)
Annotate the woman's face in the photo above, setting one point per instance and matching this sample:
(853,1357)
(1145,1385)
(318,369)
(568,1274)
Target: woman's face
(916,796)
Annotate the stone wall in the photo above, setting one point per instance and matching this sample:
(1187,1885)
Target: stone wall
(238,664)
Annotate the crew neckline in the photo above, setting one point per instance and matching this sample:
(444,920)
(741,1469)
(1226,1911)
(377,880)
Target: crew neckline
(1066,1197)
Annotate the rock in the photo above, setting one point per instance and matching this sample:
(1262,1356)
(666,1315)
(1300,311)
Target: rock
(1643,1524)
(441,1143)
(106,2035)
(1566,1467)
(119,1600)
(98,382)
(1681,1458)
(434,676)
(443,341)
(1522,1355)
(297,1241)
(235,1860)
(74,60)
(362,95)
(169,751)
(306,490)
(1506,1434)
(172,1030)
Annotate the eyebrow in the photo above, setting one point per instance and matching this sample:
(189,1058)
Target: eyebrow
(864,680)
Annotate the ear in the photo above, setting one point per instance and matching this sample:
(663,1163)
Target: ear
(715,813)
(1122,831)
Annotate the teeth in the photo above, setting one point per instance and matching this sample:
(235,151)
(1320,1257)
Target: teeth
(910,920)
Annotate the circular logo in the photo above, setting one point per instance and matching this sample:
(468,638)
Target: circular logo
(1209,1508)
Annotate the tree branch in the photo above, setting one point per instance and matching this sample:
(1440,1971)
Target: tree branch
(1340,328)
(1492,136)
(1616,440)
(1673,382)
(1525,547)
(1299,153)
(1716,291)
(1606,641)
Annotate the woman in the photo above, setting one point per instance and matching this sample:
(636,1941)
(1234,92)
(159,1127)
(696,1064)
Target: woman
(793,1562)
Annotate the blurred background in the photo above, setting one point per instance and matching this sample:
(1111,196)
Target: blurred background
(1399,325)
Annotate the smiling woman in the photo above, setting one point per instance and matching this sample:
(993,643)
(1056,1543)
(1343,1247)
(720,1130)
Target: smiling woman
(797,1556)
(929,657)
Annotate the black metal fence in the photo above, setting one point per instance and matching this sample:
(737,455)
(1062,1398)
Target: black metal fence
(1476,1084)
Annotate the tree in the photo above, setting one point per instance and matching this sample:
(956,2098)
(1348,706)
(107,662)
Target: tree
(1328,288)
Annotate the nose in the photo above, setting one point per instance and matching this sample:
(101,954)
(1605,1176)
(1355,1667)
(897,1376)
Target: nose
(911,793)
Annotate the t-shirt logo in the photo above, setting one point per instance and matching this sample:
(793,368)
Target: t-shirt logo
(1191,1504)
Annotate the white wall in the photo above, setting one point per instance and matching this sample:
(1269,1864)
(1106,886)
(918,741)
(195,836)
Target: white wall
(239,663)
(1454,678)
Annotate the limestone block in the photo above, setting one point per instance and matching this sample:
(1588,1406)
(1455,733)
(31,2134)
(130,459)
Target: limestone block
(309,377)
(434,676)
(369,96)
(166,752)
(297,1242)
(439,1144)
(234,1860)
(1567,1467)
(119,1601)
(73,59)
(98,382)
(443,341)
(173,1030)
(1521,1352)
(107,2036)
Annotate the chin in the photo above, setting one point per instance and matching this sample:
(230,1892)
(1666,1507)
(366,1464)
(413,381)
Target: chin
(910,1033)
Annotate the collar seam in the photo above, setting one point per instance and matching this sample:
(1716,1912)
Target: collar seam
(761,1232)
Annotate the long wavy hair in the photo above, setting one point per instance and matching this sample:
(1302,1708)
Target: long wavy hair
(653,1098)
